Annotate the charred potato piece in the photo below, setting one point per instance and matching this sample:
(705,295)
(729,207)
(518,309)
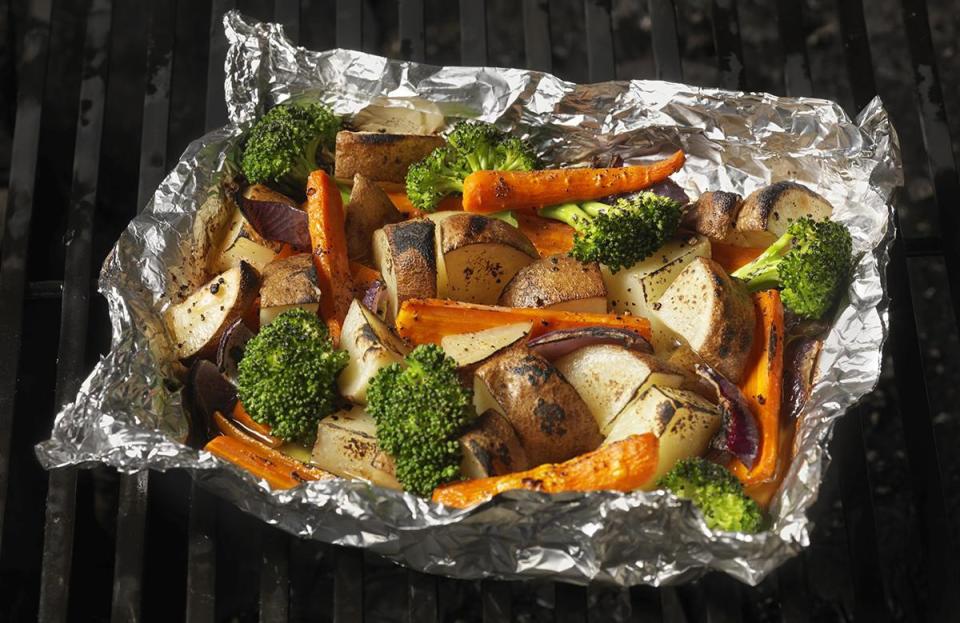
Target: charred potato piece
(713,313)
(369,209)
(713,214)
(551,420)
(480,255)
(197,323)
(288,283)
(768,212)
(558,282)
(238,242)
(491,448)
(379,156)
(608,376)
(406,257)
(347,446)
(371,346)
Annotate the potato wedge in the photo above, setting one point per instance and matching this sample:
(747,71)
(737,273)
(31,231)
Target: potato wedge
(380,156)
(238,241)
(768,211)
(372,345)
(405,254)
(683,421)
(369,209)
(713,313)
(637,289)
(347,446)
(608,376)
(480,255)
(714,214)
(197,323)
(558,282)
(551,420)
(471,348)
(288,283)
(491,448)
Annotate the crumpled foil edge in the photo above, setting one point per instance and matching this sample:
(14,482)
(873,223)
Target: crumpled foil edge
(128,412)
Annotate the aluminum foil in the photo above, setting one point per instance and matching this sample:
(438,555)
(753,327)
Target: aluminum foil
(128,413)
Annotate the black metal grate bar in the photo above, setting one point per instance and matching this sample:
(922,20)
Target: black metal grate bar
(473,32)
(796,64)
(943,600)
(411,30)
(16,228)
(61,493)
(726,39)
(422,604)
(348,586)
(936,139)
(274,580)
(600,63)
(666,43)
(645,604)
(570,603)
(131,530)
(536,35)
(350,24)
(496,601)
(201,555)
(794,595)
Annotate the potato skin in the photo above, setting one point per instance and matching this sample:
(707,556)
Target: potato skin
(411,256)
(492,447)
(552,280)
(551,420)
(289,281)
(369,209)
(713,214)
(460,229)
(768,211)
(729,313)
(380,156)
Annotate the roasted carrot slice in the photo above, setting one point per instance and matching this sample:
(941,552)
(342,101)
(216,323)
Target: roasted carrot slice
(297,470)
(495,191)
(550,237)
(762,386)
(260,432)
(329,241)
(732,257)
(427,321)
(621,466)
(243,455)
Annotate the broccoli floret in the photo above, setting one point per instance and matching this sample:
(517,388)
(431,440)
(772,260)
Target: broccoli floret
(809,263)
(287,377)
(716,492)
(471,146)
(420,409)
(285,145)
(622,234)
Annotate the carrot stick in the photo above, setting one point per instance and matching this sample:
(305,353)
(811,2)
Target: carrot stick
(550,237)
(261,432)
(244,456)
(494,191)
(286,250)
(298,470)
(732,257)
(427,321)
(329,242)
(620,466)
(763,492)
(762,386)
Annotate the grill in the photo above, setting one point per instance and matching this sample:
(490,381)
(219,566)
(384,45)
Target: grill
(99,98)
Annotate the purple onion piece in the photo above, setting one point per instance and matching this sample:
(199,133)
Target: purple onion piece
(741,436)
(276,220)
(375,298)
(667,188)
(207,392)
(555,344)
(230,349)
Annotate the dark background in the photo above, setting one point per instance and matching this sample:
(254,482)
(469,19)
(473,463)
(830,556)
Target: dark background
(827,560)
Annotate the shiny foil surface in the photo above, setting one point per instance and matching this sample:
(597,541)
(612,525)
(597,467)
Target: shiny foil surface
(128,413)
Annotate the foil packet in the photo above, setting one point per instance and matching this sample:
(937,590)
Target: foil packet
(128,413)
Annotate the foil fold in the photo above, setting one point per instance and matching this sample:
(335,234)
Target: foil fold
(128,413)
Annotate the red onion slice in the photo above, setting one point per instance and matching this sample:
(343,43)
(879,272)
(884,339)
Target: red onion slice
(741,436)
(230,349)
(206,392)
(556,344)
(375,298)
(277,220)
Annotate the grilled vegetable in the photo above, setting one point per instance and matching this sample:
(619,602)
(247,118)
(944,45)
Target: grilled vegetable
(558,282)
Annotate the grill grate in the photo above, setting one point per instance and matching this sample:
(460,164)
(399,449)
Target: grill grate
(214,570)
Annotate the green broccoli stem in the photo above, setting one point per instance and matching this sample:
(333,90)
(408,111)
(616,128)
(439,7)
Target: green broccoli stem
(594,208)
(345,191)
(762,273)
(507,216)
(569,213)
